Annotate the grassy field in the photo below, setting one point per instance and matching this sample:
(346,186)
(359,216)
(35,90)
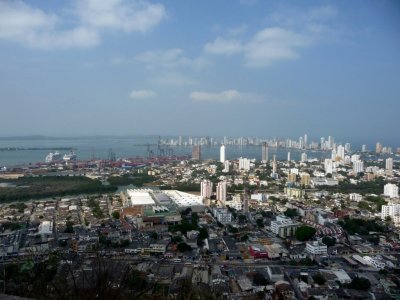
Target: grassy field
(27,188)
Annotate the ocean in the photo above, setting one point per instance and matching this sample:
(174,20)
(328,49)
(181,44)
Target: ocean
(88,148)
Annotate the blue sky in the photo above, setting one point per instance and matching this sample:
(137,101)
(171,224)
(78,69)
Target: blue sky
(245,67)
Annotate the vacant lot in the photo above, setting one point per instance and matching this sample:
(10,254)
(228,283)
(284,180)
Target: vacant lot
(26,188)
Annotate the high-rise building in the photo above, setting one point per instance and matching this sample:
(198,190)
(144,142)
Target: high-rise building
(292,178)
(196,152)
(206,188)
(347,147)
(274,167)
(364,148)
(226,166)
(389,164)
(305,179)
(328,166)
(304,157)
(355,157)
(180,141)
(391,190)
(322,143)
(378,148)
(222,154)
(221,192)
(390,211)
(244,164)
(305,141)
(340,152)
(358,166)
(301,143)
(288,156)
(333,154)
(264,152)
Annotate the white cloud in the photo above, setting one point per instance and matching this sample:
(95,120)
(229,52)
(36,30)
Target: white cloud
(293,30)
(222,97)
(123,15)
(223,46)
(264,48)
(32,27)
(273,44)
(170,59)
(142,94)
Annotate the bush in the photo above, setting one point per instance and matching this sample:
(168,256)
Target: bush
(304,233)
(329,241)
(360,283)
(183,247)
(319,279)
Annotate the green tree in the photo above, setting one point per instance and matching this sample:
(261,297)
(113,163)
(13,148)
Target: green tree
(115,214)
(200,242)
(260,222)
(319,279)
(176,239)
(183,247)
(259,279)
(360,283)
(329,241)
(136,282)
(203,233)
(242,218)
(305,233)
(291,213)
(153,235)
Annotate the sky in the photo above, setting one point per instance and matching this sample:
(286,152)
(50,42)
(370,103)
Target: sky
(229,67)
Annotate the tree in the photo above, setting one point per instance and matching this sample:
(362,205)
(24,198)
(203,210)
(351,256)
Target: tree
(115,214)
(259,279)
(176,239)
(183,247)
(200,242)
(203,233)
(329,241)
(319,279)
(260,222)
(360,283)
(69,227)
(153,235)
(290,212)
(244,238)
(242,218)
(136,282)
(304,233)
(232,229)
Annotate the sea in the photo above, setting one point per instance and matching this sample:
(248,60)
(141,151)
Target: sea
(32,150)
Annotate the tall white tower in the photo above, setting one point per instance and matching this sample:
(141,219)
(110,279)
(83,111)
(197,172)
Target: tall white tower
(274,166)
(206,188)
(221,192)
(222,154)
(340,152)
(264,152)
(328,166)
(389,164)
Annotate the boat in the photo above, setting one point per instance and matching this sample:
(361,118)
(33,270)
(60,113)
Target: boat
(52,157)
(70,156)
